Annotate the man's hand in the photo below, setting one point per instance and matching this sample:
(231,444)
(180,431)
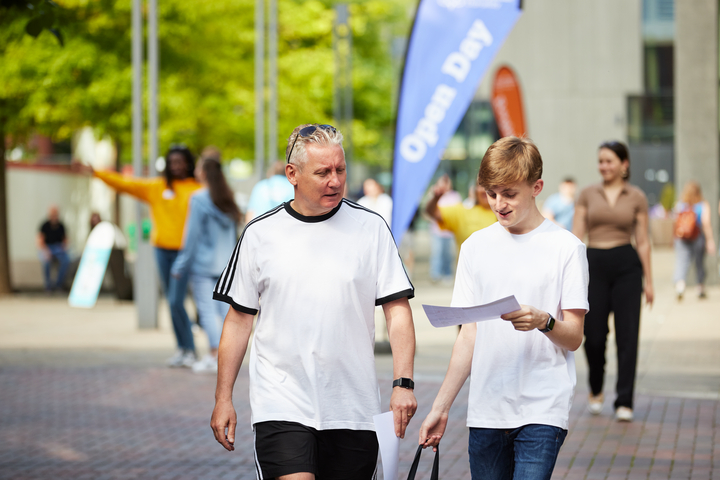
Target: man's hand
(432,429)
(224,418)
(82,168)
(527,318)
(403,406)
(442,186)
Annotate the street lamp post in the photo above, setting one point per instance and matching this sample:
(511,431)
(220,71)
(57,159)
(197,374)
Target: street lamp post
(145,289)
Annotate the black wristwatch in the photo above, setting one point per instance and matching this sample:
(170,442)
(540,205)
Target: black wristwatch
(404,383)
(549,326)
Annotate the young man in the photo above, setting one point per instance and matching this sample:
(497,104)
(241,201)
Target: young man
(313,270)
(521,365)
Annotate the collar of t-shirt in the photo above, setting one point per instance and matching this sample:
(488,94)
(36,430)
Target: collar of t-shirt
(313,218)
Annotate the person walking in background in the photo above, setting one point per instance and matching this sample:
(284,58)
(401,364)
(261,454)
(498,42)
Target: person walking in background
(458,219)
(269,192)
(560,206)
(612,213)
(376,199)
(441,246)
(52,243)
(168,198)
(210,235)
(693,237)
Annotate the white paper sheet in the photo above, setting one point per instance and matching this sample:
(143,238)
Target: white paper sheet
(447,316)
(389,444)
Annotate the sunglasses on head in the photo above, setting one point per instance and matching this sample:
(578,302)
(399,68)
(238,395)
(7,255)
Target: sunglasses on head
(306,132)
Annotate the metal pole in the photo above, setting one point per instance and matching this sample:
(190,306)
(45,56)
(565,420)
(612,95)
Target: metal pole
(259,89)
(137,66)
(337,102)
(348,92)
(144,283)
(343,95)
(272,82)
(153,65)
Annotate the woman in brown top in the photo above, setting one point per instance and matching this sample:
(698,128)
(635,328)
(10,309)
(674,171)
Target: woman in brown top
(612,213)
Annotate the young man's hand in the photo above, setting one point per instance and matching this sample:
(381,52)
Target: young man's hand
(527,318)
(403,406)
(432,429)
(224,417)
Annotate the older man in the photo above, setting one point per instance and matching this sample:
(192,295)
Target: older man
(313,269)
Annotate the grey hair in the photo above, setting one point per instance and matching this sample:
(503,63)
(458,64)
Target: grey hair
(321,136)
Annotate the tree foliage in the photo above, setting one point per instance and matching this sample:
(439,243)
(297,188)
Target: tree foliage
(206,72)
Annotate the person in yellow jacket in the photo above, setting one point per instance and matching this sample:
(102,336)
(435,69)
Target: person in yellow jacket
(168,199)
(458,219)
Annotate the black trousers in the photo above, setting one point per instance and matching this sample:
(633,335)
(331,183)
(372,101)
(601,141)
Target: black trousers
(616,285)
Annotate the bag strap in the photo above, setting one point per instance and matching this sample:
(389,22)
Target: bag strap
(416,462)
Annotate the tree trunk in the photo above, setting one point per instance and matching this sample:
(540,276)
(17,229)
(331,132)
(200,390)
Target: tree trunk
(4,250)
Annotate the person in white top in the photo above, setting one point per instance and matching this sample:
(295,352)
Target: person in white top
(313,270)
(376,199)
(521,365)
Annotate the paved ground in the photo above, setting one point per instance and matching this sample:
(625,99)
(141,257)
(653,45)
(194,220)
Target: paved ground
(83,394)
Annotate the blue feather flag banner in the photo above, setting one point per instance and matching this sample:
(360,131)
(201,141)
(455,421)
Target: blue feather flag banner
(451,46)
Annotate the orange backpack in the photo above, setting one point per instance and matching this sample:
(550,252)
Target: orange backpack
(686,227)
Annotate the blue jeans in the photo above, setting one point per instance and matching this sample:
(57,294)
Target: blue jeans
(212,312)
(525,453)
(175,290)
(441,257)
(687,252)
(57,252)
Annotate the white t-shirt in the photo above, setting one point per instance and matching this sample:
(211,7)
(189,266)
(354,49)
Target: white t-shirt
(315,282)
(521,378)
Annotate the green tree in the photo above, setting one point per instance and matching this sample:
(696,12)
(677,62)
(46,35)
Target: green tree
(17,18)
(206,72)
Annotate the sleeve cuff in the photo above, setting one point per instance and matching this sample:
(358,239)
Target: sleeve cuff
(409,293)
(236,306)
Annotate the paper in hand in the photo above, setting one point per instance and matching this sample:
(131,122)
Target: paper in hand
(447,316)
(389,444)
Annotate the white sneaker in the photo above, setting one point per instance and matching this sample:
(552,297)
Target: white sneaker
(624,414)
(680,289)
(595,403)
(176,360)
(182,358)
(208,364)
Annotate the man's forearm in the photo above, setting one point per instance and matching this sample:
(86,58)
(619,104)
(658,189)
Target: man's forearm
(568,334)
(402,336)
(432,210)
(233,345)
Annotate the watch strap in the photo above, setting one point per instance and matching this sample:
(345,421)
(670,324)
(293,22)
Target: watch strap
(550,324)
(404,382)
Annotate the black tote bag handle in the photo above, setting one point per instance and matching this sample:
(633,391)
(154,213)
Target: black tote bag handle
(414,467)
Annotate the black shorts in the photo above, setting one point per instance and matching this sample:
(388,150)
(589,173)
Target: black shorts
(282,448)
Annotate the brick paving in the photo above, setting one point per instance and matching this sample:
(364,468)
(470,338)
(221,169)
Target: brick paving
(83,395)
(146,422)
